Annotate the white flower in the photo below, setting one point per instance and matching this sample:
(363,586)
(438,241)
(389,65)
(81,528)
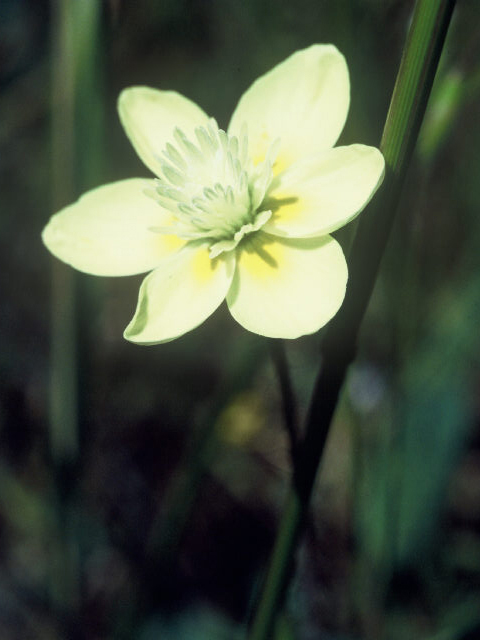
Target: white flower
(242,215)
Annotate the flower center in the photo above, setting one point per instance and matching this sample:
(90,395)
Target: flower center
(212,188)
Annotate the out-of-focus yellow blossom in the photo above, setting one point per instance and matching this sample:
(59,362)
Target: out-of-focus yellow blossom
(242,215)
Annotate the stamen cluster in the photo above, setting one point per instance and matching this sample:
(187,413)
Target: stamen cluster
(212,188)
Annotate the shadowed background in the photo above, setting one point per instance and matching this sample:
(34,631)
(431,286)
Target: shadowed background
(140,487)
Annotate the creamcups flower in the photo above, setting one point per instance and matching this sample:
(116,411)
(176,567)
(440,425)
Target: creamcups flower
(243,215)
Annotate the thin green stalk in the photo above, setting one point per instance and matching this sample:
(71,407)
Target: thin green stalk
(412,88)
(63,385)
(279,357)
(63,415)
(74,144)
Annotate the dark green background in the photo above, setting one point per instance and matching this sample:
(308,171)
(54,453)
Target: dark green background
(393,545)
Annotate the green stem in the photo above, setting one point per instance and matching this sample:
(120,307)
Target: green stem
(412,88)
(75,76)
(289,403)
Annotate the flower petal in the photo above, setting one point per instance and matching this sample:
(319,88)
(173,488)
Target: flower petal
(286,288)
(324,192)
(303,101)
(107,231)
(149,117)
(180,294)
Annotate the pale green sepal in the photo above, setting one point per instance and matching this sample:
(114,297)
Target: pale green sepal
(324,192)
(286,288)
(107,232)
(180,294)
(150,117)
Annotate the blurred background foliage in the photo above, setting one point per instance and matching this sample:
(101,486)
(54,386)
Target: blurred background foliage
(140,487)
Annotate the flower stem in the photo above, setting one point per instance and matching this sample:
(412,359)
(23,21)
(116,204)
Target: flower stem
(279,358)
(412,88)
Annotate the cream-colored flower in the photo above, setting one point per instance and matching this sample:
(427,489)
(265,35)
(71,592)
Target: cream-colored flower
(242,215)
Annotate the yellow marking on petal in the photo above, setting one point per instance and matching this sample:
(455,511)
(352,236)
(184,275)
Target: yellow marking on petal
(259,157)
(260,147)
(281,163)
(259,152)
(286,207)
(260,258)
(173,243)
(203,266)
